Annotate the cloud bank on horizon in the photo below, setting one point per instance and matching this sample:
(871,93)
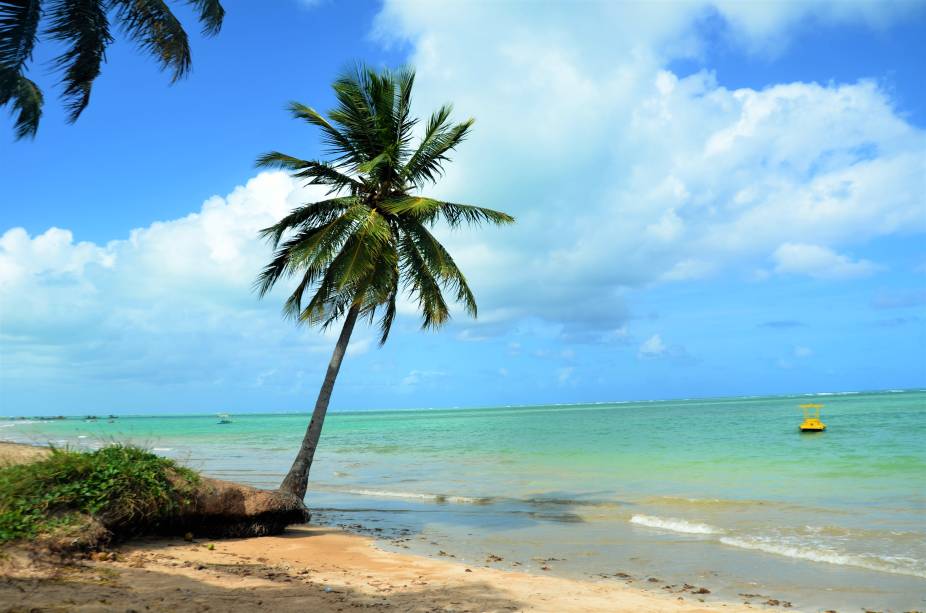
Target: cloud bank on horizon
(625,176)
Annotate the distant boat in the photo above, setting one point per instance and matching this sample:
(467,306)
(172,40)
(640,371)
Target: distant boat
(812,421)
(224,418)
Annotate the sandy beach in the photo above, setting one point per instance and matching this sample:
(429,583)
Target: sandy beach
(308,568)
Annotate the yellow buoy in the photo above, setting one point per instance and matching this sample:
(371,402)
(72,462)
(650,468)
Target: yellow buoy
(812,421)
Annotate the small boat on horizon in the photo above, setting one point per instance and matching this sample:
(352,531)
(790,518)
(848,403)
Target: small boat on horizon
(224,418)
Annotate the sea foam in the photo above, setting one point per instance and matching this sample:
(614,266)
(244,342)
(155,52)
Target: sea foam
(900,565)
(673,524)
(413,496)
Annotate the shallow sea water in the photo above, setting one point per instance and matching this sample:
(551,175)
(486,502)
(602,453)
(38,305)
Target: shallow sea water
(722,493)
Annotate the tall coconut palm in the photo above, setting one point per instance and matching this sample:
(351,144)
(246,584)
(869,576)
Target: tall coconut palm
(83,26)
(354,252)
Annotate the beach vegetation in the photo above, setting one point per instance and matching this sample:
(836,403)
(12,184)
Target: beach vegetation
(353,253)
(122,488)
(84,28)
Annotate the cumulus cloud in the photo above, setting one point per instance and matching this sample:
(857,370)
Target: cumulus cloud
(819,262)
(623,174)
(170,303)
(763,27)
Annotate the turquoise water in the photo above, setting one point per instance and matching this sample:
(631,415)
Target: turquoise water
(720,492)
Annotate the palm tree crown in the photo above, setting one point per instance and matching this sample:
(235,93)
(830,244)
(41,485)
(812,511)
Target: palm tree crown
(84,27)
(372,238)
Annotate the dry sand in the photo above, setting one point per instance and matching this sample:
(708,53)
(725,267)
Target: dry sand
(307,569)
(17,453)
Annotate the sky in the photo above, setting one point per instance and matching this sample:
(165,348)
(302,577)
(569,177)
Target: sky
(713,198)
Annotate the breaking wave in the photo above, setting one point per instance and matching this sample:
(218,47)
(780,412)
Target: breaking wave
(900,565)
(673,524)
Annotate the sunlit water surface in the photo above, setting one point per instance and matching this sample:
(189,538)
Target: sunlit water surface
(723,493)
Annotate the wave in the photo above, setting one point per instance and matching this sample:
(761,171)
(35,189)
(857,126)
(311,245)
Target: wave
(673,524)
(899,565)
(413,496)
(535,501)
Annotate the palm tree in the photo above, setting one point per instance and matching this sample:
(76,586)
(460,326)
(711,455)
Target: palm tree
(354,251)
(84,27)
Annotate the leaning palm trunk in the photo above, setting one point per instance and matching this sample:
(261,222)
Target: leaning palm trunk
(297,479)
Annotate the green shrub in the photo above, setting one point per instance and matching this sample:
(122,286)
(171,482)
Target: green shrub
(125,488)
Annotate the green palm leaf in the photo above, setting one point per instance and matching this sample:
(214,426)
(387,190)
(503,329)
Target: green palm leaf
(27,102)
(441,264)
(211,14)
(83,25)
(19,24)
(356,251)
(318,173)
(155,29)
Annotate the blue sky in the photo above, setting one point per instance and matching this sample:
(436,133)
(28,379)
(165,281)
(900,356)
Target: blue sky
(717,199)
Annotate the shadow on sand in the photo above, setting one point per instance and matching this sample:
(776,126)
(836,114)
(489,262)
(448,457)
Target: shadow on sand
(167,583)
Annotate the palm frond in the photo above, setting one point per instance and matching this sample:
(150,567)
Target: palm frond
(357,261)
(27,101)
(355,253)
(441,264)
(354,111)
(405,80)
(333,295)
(382,288)
(281,264)
(211,15)
(315,213)
(318,173)
(386,321)
(83,25)
(428,210)
(337,143)
(423,287)
(19,24)
(152,25)
(312,248)
(426,164)
(456,214)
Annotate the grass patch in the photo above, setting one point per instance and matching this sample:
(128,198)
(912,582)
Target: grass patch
(126,489)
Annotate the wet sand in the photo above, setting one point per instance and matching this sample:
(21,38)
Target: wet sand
(308,568)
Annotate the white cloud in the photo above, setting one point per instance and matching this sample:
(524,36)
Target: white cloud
(418,377)
(653,347)
(818,262)
(52,253)
(172,302)
(623,175)
(762,27)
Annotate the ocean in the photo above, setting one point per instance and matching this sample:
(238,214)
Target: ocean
(723,493)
